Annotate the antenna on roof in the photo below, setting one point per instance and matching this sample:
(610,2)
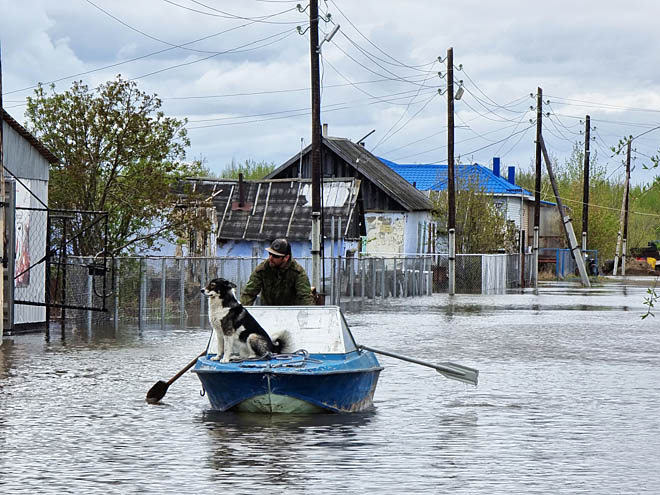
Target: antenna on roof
(360,141)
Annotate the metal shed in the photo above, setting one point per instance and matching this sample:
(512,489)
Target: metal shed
(27,162)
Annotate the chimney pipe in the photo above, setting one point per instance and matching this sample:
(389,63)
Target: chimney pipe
(241,191)
(496,166)
(512,175)
(325,130)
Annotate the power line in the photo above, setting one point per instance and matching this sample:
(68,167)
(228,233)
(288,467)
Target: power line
(389,133)
(53,81)
(146,34)
(300,112)
(394,78)
(401,64)
(591,104)
(274,91)
(549,197)
(501,141)
(485,116)
(283,35)
(457,142)
(227,15)
(392,98)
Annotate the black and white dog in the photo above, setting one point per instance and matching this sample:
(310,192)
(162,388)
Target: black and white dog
(236,330)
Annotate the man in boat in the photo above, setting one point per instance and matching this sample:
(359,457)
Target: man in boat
(281,280)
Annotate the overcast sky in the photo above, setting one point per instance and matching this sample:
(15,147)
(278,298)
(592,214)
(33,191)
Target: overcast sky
(239,72)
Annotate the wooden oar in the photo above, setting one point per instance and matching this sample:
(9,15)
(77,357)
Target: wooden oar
(449,370)
(159,390)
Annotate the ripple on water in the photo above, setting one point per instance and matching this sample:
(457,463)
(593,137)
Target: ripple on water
(567,403)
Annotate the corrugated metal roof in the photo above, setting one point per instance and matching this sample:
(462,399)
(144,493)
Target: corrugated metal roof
(278,207)
(383,177)
(434,177)
(45,152)
(367,164)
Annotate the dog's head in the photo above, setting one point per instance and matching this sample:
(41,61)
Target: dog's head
(219,287)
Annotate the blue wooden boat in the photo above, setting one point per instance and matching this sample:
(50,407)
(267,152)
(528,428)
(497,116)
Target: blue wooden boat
(322,369)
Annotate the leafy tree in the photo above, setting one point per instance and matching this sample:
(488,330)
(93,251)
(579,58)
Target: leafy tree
(120,154)
(480,226)
(250,169)
(605,199)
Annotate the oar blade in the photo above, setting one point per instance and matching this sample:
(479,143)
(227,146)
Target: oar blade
(448,370)
(157,392)
(459,373)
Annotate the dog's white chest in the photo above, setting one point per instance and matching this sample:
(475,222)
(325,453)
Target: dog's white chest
(216,313)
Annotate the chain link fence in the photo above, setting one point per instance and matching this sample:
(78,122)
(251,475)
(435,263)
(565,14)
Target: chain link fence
(169,288)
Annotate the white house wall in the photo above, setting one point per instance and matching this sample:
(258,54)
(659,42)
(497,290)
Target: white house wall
(394,234)
(513,210)
(413,220)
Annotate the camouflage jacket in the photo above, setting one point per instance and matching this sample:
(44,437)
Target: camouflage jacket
(284,286)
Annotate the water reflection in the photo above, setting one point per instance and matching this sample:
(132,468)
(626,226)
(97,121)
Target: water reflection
(282,448)
(567,383)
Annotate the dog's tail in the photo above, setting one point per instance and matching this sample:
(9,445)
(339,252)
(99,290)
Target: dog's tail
(282,341)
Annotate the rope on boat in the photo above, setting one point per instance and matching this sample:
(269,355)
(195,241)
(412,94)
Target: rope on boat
(256,362)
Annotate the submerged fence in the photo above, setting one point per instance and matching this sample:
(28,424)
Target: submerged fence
(169,288)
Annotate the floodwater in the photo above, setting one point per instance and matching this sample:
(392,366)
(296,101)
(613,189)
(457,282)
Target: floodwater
(568,402)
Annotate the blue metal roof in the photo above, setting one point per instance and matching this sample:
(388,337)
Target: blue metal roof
(434,177)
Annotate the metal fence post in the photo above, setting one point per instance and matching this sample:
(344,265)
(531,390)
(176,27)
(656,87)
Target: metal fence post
(239,277)
(90,281)
(351,278)
(404,266)
(182,291)
(143,291)
(117,278)
(429,277)
(362,277)
(202,283)
(383,276)
(163,287)
(394,278)
(339,277)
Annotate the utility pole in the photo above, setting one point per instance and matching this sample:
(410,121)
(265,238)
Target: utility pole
(316,142)
(566,222)
(451,192)
(585,180)
(623,219)
(537,187)
(625,212)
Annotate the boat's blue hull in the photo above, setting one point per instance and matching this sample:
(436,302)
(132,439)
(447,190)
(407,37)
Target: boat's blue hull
(313,383)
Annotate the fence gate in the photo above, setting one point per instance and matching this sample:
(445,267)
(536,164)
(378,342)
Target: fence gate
(72,282)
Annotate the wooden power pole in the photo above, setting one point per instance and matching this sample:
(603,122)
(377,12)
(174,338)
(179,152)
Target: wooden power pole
(566,222)
(625,212)
(316,142)
(623,219)
(585,183)
(451,191)
(537,186)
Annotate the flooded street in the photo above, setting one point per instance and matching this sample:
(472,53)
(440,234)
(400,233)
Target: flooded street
(568,402)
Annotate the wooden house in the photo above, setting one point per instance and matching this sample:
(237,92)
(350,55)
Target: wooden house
(247,215)
(395,213)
